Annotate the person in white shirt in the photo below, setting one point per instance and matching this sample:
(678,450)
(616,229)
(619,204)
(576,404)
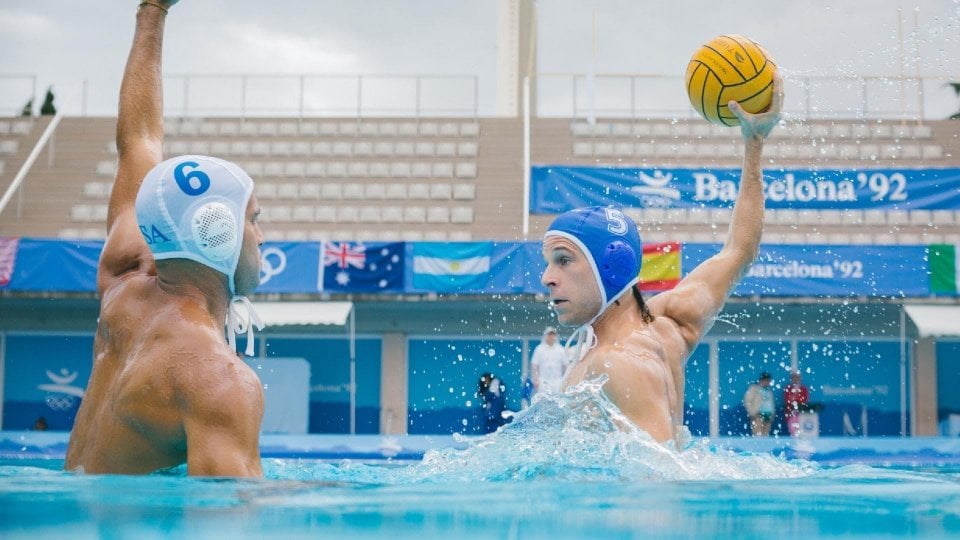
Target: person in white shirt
(549,363)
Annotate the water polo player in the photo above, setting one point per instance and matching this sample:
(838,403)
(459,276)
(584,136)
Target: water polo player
(182,249)
(593,260)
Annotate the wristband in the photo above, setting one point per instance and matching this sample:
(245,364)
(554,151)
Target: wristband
(154,4)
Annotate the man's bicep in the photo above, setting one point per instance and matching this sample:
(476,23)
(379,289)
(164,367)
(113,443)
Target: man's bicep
(222,448)
(223,430)
(214,450)
(718,275)
(694,303)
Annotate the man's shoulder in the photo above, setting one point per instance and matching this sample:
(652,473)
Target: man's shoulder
(217,380)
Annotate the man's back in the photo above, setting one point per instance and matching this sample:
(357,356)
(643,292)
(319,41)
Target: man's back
(153,353)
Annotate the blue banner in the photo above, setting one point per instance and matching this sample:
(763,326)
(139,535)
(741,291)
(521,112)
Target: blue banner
(557,189)
(289,267)
(491,268)
(50,265)
(815,270)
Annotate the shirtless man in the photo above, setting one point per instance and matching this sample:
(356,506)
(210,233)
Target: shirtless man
(593,263)
(182,248)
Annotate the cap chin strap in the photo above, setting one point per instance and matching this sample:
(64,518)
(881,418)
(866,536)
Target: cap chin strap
(585,338)
(242,319)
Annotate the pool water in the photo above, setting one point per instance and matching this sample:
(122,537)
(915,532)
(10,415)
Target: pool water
(562,469)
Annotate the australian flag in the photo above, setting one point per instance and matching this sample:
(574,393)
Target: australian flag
(362,267)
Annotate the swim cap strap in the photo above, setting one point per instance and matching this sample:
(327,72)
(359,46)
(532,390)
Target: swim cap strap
(242,318)
(586,340)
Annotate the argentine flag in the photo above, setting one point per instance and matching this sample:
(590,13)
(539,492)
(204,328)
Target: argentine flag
(451,266)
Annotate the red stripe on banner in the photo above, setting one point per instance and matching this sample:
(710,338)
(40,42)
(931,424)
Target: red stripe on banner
(8,258)
(663,247)
(662,285)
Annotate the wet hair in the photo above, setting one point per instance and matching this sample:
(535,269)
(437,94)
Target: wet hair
(644,310)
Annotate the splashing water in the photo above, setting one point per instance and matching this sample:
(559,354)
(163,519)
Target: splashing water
(579,435)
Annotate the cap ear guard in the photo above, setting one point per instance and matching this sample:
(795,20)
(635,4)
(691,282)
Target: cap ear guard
(214,229)
(618,265)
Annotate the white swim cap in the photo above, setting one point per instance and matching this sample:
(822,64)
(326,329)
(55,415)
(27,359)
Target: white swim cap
(194,207)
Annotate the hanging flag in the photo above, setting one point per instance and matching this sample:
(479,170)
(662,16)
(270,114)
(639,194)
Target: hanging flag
(943,268)
(360,267)
(451,266)
(8,259)
(660,270)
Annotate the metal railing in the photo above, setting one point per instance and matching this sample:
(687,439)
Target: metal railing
(566,95)
(321,95)
(628,95)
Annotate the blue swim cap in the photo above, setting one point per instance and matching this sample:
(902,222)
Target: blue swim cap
(194,207)
(611,243)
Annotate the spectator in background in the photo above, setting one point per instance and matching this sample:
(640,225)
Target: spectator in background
(40,424)
(796,397)
(526,393)
(493,395)
(549,363)
(48,109)
(760,405)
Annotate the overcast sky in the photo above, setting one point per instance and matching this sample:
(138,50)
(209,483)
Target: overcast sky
(63,42)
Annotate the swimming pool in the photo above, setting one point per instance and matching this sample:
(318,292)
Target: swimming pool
(561,470)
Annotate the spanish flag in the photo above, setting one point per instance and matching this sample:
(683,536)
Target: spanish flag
(660,270)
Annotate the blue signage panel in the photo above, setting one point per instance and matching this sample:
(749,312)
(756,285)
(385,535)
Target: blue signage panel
(45,376)
(329,360)
(857,383)
(825,270)
(444,378)
(556,189)
(696,393)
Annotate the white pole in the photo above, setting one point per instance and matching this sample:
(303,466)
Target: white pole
(28,163)
(591,76)
(903,372)
(526,157)
(903,102)
(714,391)
(353,372)
(916,63)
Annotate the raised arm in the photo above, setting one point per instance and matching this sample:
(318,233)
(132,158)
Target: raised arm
(139,142)
(695,302)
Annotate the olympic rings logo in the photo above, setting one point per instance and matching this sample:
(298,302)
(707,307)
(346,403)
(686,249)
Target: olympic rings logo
(59,402)
(267,267)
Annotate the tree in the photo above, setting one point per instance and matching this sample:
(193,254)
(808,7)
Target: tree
(956,90)
(48,108)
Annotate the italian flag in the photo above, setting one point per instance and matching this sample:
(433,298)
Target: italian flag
(943,268)
(660,270)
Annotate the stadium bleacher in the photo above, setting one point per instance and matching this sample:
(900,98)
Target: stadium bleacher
(416,178)
(461,179)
